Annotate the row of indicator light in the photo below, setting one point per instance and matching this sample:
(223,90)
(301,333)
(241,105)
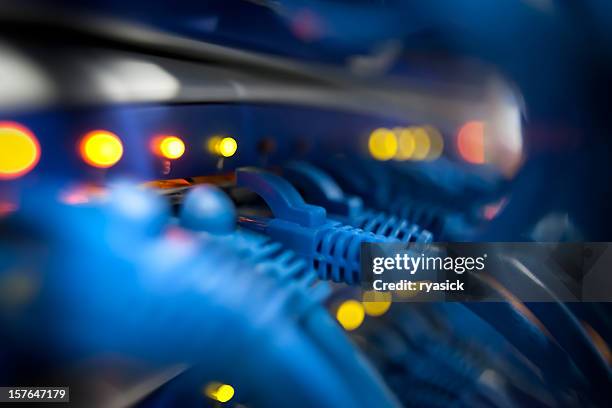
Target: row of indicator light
(410,143)
(351,313)
(426,143)
(20,150)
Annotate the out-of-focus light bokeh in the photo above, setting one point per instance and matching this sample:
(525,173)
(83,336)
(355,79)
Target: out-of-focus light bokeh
(228,147)
(382,144)
(169,147)
(422,145)
(101,148)
(219,392)
(350,314)
(406,144)
(471,142)
(418,143)
(376,303)
(436,142)
(19,150)
(222,146)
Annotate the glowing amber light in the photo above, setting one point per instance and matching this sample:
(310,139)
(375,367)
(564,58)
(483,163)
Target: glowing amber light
(382,144)
(19,150)
(170,147)
(422,144)
(350,314)
(101,148)
(418,143)
(436,142)
(470,142)
(376,303)
(219,392)
(226,146)
(406,144)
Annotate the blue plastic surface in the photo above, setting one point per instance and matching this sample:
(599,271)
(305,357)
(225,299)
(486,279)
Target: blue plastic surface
(322,190)
(331,248)
(208,208)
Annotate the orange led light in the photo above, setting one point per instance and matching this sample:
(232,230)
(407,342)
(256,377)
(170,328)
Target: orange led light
(170,147)
(470,142)
(19,150)
(101,148)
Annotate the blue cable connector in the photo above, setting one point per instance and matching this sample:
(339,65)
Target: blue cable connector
(373,185)
(322,190)
(207,209)
(175,297)
(331,247)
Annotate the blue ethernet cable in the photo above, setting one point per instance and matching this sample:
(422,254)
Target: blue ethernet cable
(374,187)
(321,189)
(170,298)
(329,246)
(429,364)
(207,209)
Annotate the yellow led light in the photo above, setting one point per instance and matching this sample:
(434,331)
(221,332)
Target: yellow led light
(213,144)
(226,146)
(19,150)
(170,147)
(101,148)
(406,144)
(350,314)
(219,392)
(421,142)
(376,303)
(382,144)
(436,142)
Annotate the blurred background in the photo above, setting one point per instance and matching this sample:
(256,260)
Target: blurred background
(185,186)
